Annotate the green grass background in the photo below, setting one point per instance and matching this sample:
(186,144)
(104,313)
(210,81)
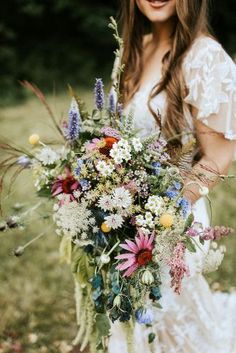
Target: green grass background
(37,313)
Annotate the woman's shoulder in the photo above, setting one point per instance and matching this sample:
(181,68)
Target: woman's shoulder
(206,50)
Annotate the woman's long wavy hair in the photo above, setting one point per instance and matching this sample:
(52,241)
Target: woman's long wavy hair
(191,20)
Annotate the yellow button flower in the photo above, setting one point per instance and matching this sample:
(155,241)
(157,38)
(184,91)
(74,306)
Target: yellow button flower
(105,228)
(34,139)
(166,220)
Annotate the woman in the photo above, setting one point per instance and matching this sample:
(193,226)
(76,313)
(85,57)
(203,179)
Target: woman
(179,78)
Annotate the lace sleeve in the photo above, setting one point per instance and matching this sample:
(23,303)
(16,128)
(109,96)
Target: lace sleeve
(210,76)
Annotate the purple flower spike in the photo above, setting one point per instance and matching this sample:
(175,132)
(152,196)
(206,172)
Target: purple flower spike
(99,94)
(111,106)
(120,109)
(74,123)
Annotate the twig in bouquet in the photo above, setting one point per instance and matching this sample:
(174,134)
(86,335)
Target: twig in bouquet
(42,98)
(12,149)
(32,209)
(118,53)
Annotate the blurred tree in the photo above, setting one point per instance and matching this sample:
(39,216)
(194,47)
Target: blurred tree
(59,41)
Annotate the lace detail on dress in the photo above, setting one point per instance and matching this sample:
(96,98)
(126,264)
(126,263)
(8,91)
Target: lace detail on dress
(210,76)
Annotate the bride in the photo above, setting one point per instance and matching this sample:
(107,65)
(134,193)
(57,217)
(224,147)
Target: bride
(180,79)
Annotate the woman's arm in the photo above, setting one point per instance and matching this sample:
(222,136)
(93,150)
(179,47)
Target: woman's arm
(217,157)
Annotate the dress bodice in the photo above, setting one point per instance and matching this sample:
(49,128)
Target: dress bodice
(210,79)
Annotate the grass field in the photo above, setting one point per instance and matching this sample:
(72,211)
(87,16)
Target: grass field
(37,313)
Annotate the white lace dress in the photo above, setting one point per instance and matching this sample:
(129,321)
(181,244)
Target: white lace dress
(198,320)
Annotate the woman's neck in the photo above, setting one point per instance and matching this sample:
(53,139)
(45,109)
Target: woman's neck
(162,33)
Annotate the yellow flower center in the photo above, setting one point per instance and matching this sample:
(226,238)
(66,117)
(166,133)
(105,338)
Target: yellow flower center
(166,220)
(34,139)
(105,228)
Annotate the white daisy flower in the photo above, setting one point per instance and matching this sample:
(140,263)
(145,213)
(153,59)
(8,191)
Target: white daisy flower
(47,156)
(114,221)
(122,198)
(106,203)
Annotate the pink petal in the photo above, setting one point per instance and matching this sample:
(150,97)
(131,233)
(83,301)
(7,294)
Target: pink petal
(132,245)
(126,247)
(142,238)
(57,191)
(125,256)
(139,242)
(146,241)
(126,264)
(150,241)
(130,270)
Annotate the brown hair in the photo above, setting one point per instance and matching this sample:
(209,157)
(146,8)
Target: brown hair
(191,20)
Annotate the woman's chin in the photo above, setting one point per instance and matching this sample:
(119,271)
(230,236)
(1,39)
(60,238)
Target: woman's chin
(158,17)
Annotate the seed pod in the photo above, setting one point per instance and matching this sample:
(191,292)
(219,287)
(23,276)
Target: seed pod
(147,278)
(117,301)
(105,259)
(19,251)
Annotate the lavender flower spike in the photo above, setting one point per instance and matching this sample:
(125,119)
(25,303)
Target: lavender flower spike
(74,123)
(111,106)
(120,109)
(99,94)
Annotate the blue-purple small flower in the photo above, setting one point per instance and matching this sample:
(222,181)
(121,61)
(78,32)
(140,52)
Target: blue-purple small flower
(74,123)
(185,206)
(111,106)
(177,185)
(80,162)
(85,184)
(99,94)
(174,190)
(157,168)
(144,316)
(24,161)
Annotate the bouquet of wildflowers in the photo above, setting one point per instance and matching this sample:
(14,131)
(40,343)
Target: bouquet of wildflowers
(119,209)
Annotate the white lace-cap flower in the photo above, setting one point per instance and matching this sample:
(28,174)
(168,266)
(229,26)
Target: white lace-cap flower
(47,156)
(137,144)
(114,221)
(104,168)
(140,221)
(75,219)
(121,151)
(154,204)
(122,198)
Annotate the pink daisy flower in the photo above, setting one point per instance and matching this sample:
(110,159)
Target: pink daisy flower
(65,185)
(140,253)
(93,145)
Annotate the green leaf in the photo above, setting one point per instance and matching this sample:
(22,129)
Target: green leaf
(65,249)
(44,193)
(151,337)
(189,221)
(81,266)
(157,305)
(103,325)
(189,245)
